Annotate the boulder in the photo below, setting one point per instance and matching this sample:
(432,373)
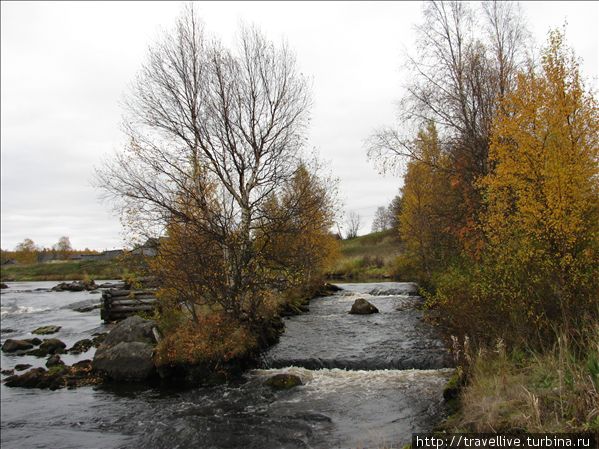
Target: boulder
(81,346)
(283,381)
(45,330)
(54,360)
(11,345)
(34,341)
(127,351)
(75,286)
(52,346)
(7,372)
(3,285)
(362,307)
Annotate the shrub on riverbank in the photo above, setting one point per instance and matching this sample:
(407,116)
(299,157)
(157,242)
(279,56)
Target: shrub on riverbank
(216,339)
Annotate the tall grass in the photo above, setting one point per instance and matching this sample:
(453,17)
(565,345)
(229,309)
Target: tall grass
(556,390)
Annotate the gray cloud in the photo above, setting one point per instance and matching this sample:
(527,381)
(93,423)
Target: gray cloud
(65,67)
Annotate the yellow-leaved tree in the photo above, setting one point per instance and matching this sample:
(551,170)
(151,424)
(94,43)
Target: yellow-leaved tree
(542,221)
(426,195)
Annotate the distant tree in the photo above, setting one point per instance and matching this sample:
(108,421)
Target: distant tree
(394,211)
(381,221)
(63,247)
(353,225)
(26,251)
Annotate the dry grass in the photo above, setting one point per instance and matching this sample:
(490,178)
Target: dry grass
(557,391)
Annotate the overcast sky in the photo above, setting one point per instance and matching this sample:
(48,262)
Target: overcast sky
(65,67)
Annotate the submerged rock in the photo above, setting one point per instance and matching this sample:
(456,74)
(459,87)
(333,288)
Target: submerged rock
(11,345)
(362,307)
(7,372)
(127,351)
(283,381)
(45,330)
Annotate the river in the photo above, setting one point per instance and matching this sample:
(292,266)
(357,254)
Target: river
(368,381)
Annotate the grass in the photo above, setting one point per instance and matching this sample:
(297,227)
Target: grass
(370,256)
(64,270)
(553,391)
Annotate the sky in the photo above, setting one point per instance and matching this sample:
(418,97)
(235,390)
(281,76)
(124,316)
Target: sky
(65,67)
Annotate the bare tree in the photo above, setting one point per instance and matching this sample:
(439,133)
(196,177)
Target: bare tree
(214,133)
(381,220)
(353,225)
(467,59)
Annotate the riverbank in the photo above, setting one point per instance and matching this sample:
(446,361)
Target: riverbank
(63,271)
(367,258)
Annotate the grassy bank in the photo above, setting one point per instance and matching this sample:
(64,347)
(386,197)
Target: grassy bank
(556,390)
(63,270)
(370,256)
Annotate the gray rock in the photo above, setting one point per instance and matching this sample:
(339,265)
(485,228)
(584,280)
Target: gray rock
(129,361)
(127,351)
(362,307)
(45,330)
(11,345)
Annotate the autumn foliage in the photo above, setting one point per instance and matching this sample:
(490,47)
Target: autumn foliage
(539,268)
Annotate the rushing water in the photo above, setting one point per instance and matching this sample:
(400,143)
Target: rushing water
(369,381)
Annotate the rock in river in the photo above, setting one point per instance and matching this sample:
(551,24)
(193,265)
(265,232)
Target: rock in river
(3,285)
(52,346)
(54,360)
(11,345)
(75,286)
(45,330)
(362,307)
(283,381)
(127,352)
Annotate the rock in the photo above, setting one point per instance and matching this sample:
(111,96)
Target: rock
(99,338)
(34,341)
(87,305)
(127,351)
(75,286)
(54,360)
(7,372)
(37,352)
(57,376)
(7,330)
(283,381)
(11,345)
(45,330)
(362,307)
(3,285)
(81,346)
(22,366)
(52,346)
